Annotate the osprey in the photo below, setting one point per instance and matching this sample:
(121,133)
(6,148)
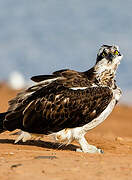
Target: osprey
(67,103)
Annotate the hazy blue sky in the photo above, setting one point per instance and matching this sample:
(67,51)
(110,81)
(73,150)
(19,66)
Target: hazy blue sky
(41,36)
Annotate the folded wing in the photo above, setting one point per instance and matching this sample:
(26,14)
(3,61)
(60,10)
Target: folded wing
(54,107)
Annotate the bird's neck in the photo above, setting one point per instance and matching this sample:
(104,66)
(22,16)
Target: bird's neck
(102,76)
(105,75)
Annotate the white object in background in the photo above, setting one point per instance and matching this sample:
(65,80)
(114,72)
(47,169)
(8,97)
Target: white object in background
(16,80)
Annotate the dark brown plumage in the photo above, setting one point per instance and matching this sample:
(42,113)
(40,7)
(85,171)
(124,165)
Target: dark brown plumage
(54,107)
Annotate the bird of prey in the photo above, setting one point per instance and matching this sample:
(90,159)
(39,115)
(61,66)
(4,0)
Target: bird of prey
(67,103)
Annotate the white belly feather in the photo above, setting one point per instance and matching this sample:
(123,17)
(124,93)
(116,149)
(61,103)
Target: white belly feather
(105,113)
(101,117)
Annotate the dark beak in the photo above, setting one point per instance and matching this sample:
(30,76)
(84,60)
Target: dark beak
(119,54)
(110,57)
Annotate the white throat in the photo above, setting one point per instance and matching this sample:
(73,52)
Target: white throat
(103,65)
(106,72)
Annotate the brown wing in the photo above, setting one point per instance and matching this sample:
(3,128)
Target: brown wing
(55,107)
(67,77)
(55,74)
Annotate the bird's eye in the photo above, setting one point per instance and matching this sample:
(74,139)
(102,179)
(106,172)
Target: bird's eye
(104,53)
(116,52)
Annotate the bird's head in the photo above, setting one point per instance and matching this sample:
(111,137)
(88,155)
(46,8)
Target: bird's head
(108,57)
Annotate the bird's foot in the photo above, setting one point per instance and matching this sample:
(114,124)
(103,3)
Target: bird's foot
(90,149)
(87,148)
(25,136)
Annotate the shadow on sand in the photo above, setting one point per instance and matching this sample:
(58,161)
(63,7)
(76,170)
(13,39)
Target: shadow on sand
(40,143)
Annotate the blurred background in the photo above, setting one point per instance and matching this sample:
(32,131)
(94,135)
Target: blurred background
(39,37)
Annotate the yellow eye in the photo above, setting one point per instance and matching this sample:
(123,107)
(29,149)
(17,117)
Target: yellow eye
(116,52)
(103,54)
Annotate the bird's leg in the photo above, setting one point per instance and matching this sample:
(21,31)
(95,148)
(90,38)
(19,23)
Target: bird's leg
(78,134)
(25,136)
(68,135)
(87,148)
(64,136)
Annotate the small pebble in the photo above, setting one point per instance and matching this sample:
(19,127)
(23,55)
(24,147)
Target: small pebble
(119,139)
(12,153)
(45,157)
(15,165)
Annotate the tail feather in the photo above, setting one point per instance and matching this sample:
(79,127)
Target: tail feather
(13,121)
(2,117)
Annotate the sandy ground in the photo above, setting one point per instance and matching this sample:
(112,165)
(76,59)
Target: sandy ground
(44,159)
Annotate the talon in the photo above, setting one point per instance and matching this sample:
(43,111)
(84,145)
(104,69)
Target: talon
(19,138)
(24,137)
(78,150)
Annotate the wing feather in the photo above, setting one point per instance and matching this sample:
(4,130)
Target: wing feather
(55,74)
(40,78)
(55,107)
